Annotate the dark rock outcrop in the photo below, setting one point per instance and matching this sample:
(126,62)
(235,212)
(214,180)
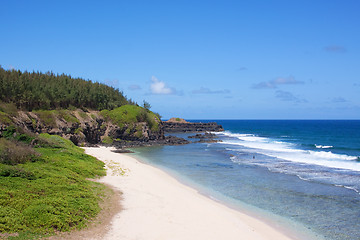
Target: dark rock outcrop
(206,137)
(167,140)
(173,127)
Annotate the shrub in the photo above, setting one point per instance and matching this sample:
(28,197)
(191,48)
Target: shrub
(12,133)
(47,117)
(67,116)
(4,118)
(107,140)
(8,108)
(13,153)
(83,115)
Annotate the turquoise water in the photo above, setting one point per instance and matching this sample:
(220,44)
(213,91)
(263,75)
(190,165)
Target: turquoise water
(304,174)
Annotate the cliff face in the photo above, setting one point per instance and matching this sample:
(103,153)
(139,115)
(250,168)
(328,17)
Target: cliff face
(173,126)
(84,128)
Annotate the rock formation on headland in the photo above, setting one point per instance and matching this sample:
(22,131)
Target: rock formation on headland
(94,127)
(84,128)
(180,125)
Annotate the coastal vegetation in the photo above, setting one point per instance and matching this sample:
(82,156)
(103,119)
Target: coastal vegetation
(44,186)
(130,114)
(44,176)
(36,90)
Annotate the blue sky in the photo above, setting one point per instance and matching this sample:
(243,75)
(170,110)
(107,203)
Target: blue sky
(199,59)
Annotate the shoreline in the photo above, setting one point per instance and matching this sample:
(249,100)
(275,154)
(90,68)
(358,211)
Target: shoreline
(155,205)
(294,231)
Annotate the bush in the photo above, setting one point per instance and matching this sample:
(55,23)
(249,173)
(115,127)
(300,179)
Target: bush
(107,140)
(67,116)
(13,153)
(4,118)
(47,117)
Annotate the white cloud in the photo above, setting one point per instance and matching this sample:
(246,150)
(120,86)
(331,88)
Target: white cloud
(159,87)
(276,82)
(203,90)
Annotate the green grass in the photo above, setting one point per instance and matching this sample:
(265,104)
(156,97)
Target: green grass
(67,116)
(107,140)
(52,193)
(130,114)
(48,117)
(83,115)
(9,108)
(4,118)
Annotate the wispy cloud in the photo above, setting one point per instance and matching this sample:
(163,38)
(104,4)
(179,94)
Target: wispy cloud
(276,82)
(134,87)
(288,97)
(242,69)
(159,87)
(203,90)
(339,100)
(335,49)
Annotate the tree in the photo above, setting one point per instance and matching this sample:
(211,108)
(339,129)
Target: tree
(146,105)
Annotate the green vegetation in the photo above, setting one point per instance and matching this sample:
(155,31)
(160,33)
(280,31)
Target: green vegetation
(37,90)
(130,114)
(107,140)
(4,118)
(83,115)
(48,117)
(68,116)
(8,108)
(44,186)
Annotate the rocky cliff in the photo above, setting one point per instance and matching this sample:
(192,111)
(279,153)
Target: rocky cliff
(83,128)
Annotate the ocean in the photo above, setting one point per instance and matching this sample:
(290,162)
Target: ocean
(300,175)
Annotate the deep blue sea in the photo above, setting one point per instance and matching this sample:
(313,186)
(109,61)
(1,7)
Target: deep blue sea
(303,175)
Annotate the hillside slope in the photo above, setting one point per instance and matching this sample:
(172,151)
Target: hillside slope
(126,123)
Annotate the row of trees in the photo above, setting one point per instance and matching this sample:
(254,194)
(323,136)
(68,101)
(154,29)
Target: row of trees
(38,90)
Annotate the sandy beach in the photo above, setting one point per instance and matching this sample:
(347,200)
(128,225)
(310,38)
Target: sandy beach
(156,206)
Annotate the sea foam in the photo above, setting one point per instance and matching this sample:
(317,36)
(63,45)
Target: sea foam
(289,151)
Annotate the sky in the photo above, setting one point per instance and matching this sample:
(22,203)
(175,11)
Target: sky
(250,59)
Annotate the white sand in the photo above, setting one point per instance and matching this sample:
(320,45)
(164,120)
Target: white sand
(157,206)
